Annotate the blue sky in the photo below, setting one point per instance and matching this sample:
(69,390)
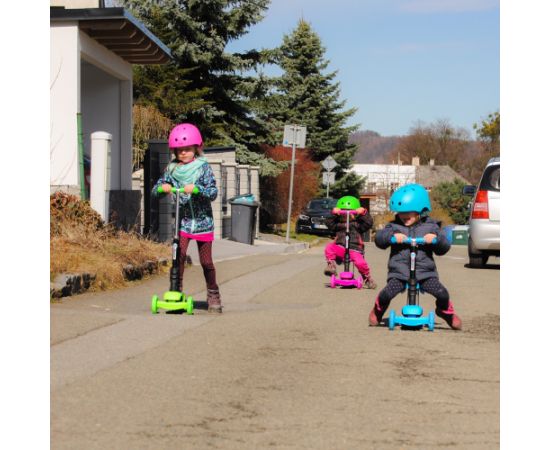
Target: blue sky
(399,61)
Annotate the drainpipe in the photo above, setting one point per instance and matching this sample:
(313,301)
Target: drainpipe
(80,139)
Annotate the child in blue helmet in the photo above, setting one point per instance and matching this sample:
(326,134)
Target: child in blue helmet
(412,205)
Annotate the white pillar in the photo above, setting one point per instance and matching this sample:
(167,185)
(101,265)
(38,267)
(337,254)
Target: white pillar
(100,183)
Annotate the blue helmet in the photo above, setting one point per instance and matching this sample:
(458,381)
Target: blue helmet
(411,197)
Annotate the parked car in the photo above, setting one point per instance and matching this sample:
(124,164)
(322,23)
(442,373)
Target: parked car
(312,218)
(484,231)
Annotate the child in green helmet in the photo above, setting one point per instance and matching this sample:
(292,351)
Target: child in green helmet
(360,222)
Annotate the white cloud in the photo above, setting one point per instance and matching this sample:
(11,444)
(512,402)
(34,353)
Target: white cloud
(435,6)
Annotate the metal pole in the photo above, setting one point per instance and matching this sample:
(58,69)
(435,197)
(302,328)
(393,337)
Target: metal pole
(291,184)
(328,183)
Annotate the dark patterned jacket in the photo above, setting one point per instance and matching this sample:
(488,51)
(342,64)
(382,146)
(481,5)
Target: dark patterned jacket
(357,226)
(196,210)
(400,254)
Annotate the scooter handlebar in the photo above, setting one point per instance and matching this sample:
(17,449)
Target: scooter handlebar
(409,240)
(175,190)
(343,212)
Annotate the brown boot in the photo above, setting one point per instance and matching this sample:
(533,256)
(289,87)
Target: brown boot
(369,283)
(375,316)
(331,268)
(214,301)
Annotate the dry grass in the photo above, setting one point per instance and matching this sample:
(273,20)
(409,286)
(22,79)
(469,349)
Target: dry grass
(80,243)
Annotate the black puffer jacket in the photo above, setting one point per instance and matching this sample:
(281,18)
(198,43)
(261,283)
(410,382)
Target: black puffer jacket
(400,255)
(357,226)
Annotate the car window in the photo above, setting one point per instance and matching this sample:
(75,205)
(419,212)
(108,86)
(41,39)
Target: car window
(491,179)
(328,203)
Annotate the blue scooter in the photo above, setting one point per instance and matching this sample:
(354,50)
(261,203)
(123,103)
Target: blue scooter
(412,311)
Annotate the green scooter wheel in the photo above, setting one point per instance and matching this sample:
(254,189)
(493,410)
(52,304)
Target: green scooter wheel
(154,301)
(189,303)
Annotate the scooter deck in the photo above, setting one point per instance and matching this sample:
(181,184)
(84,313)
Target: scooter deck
(414,321)
(172,301)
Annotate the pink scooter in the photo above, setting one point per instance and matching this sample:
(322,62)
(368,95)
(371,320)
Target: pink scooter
(347,277)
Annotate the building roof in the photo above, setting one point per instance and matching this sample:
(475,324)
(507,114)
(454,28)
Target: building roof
(429,176)
(117,30)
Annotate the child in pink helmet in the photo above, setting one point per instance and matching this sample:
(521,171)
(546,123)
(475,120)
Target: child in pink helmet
(189,170)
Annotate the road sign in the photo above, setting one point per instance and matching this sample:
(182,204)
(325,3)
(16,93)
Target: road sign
(329,163)
(294,134)
(328,178)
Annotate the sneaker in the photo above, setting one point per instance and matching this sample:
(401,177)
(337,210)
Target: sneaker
(214,301)
(331,268)
(369,283)
(452,320)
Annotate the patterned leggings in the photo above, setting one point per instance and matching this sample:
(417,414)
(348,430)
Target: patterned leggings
(205,257)
(430,285)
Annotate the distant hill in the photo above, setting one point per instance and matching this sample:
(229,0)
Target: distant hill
(373,148)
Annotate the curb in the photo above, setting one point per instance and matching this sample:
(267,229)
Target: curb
(67,284)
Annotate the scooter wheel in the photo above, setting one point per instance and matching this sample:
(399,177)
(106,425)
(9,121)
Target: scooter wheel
(332,281)
(359,283)
(154,301)
(391,320)
(189,303)
(431,321)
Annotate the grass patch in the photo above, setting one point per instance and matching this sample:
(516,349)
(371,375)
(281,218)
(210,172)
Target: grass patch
(81,243)
(311,239)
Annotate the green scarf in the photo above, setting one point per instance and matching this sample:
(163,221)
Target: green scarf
(187,173)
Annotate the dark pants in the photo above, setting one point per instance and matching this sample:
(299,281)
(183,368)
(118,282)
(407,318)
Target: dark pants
(430,285)
(205,257)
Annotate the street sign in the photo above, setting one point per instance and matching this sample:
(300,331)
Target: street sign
(329,163)
(294,134)
(328,178)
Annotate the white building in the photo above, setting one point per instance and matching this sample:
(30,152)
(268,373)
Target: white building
(381,180)
(92,50)
(385,176)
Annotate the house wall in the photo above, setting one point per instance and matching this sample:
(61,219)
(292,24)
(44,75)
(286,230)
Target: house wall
(100,100)
(87,78)
(106,103)
(64,105)
(385,176)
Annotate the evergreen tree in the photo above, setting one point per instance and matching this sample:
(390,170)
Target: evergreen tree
(305,95)
(204,83)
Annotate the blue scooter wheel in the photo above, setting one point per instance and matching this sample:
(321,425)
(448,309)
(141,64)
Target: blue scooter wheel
(391,320)
(431,321)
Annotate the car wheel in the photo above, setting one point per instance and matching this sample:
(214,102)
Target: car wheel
(477,260)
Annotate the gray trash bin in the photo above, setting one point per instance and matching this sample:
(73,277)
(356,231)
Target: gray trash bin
(243,219)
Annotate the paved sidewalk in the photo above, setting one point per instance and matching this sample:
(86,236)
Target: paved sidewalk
(225,249)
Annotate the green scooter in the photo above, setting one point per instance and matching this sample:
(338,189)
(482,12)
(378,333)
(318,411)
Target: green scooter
(174,299)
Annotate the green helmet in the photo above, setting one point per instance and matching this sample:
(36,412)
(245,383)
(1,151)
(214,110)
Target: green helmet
(348,202)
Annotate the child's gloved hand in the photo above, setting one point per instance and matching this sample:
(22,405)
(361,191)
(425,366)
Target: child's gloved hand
(428,238)
(188,188)
(361,211)
(335,210)
(166,188)
(399,237)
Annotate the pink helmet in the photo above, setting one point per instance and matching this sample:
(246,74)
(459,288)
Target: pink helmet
(184,135)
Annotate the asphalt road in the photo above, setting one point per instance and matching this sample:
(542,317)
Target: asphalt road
(291,364)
